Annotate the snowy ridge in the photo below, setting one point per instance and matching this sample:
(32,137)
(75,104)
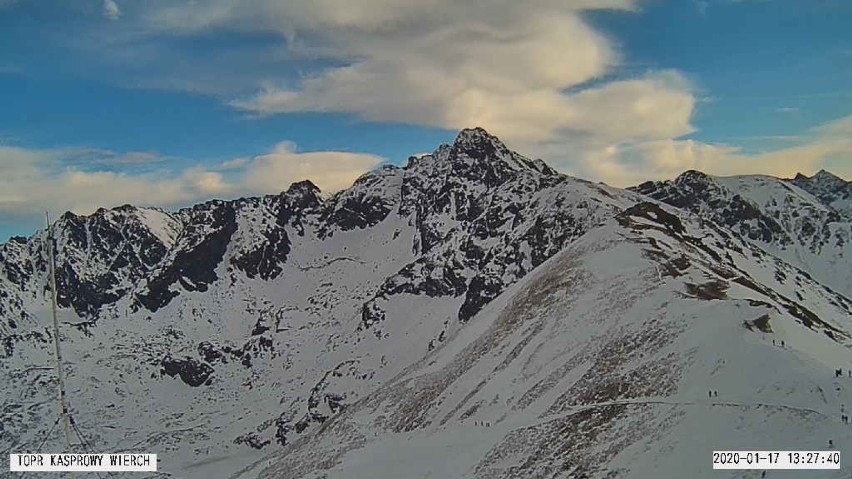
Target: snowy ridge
(295,336)
(286,307)
(780,217)
(598,364)
(831,190)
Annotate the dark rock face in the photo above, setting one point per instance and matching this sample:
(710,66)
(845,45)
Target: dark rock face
(210,352)
(831,190)
(205,239)
(253,440)
(101,257)
(335,402)
(372,313)
(482,289)
(302,196)
(86,297)
(265,259)
(808,230)
(9,342)
(363,205)
(425,277)
(653,213)
(474,194)
(483,217)
(191,371)
(16,259)
(493,164)
(699,193)
(267,256)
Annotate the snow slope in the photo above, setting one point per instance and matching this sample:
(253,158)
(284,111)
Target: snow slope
(232,327)
(371,332)
(774,214)
(599,363)
(830,189)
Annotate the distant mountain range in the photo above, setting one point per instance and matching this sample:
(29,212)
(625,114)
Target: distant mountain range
(473,313)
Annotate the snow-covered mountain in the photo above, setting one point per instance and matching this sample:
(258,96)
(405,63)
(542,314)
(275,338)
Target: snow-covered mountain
(600,363)
(783,219)
(470,314)
(830,189)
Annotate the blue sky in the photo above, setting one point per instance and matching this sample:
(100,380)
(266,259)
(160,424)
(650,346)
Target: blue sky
(166,103)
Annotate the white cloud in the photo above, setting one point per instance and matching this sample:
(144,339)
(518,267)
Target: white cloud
(623,164)
(657,106)
(838,129)
(35,180)
(500,64)
(111,10)
(32,181)
(207,183)
(535,73)
(329,170)
(234,164)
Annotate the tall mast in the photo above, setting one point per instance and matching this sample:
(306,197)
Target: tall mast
(63,401)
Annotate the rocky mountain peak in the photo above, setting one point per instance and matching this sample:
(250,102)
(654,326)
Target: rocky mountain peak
(831,190)
(823,179)
(302,187)
(478,143)
(825,174)
(822,175)
(581,304)
(808,230)
(692,177)
(475,164)
(303,194)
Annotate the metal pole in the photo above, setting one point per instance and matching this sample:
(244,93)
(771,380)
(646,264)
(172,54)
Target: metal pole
(66,416)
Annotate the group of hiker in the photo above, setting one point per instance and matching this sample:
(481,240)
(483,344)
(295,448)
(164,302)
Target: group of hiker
(838,373)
